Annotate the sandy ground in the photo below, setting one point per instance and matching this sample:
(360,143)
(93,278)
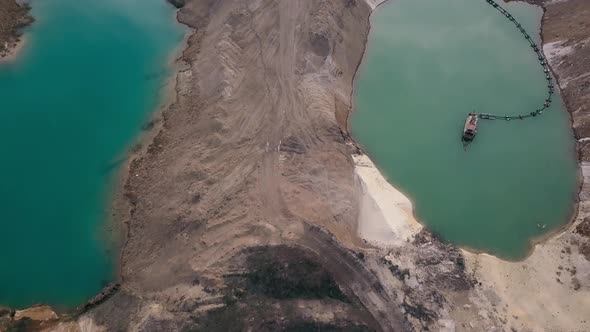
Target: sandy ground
(386,215)
(539,294)
(36,313)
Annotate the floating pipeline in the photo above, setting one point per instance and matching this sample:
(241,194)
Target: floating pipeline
(542,62)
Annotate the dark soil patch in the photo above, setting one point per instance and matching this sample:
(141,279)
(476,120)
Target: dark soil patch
(282,272)
(320,45)
(227,319)
(293,145)
(420,312)
(255,316)
(115,313)
(21,325)
(398,272)
(318,327)
(585,250)
(177,3)
(435,254)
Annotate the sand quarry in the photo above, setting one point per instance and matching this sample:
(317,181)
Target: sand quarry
(249,206)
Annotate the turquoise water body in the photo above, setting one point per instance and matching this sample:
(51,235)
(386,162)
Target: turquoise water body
(428,64)
(86,81)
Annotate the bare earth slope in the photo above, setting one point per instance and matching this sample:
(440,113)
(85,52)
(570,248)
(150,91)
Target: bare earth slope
(230,204)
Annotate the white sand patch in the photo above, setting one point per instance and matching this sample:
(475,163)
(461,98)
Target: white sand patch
(556,51)
(374,3)
(386,215)
(573,79)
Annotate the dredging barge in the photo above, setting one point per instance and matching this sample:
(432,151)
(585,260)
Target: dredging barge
(470,129)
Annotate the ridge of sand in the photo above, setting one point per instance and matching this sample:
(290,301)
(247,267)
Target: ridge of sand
(386,215)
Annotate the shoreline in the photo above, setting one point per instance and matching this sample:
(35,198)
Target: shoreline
(571,223)
(374,5)
(119,204)
(17,18)
(14,51)
(114,229)
(567,226)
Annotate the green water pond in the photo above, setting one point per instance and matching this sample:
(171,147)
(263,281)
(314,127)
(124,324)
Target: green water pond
(86,81)
(428,64)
